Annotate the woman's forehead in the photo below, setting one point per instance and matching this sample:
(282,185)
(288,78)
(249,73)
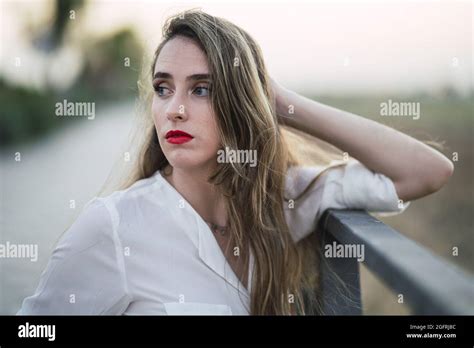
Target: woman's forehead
(181,57)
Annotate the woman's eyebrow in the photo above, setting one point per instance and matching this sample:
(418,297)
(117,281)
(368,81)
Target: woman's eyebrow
(194,77)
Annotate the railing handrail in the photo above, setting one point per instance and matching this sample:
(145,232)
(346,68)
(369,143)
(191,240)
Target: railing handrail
(429,284)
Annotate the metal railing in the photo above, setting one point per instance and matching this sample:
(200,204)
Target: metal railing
(429,284)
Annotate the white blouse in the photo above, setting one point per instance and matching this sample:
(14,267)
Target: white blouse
(145,250)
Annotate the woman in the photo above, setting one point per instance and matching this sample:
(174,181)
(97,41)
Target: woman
(201,233)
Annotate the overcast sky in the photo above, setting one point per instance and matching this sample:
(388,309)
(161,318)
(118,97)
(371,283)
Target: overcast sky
(322,46)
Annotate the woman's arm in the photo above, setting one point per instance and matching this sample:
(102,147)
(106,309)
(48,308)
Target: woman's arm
(415,168)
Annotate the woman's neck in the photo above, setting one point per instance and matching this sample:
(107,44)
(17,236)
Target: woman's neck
(203,196)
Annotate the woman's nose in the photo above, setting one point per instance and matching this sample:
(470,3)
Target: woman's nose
(176,109)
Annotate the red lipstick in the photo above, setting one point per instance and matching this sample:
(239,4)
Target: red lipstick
(177,137)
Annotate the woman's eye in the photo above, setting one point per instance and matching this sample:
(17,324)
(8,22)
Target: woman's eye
(160,90)
(201,91)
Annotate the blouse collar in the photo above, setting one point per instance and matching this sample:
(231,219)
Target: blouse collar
(202,237)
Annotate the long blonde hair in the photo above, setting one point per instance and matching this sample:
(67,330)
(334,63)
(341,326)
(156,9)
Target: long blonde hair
(285,274)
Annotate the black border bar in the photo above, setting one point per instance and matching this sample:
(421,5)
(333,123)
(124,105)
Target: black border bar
(135,330)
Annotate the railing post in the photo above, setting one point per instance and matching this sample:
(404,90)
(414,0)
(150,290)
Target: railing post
(340,297)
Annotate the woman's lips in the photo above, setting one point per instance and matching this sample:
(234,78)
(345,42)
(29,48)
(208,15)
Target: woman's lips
(178,140)
(177,137)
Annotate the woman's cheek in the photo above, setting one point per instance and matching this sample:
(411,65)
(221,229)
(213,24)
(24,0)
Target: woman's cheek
(213,134)
(158,116)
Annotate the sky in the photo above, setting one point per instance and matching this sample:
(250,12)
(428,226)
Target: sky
(327,47)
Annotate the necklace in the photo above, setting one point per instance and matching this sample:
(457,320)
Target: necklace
(217,228)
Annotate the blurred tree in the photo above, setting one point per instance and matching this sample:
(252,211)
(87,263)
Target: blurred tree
(63,14)
(51,38)
(109,73)
(111,66)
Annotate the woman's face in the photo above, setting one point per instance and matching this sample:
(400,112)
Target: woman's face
(182,103)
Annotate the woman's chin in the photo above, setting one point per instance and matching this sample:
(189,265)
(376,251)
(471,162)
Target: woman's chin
(187,163)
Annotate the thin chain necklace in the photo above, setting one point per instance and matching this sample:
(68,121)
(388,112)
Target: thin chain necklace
(217,228)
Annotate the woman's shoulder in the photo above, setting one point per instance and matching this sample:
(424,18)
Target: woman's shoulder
(88,231)
(106,212)
(140,189)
